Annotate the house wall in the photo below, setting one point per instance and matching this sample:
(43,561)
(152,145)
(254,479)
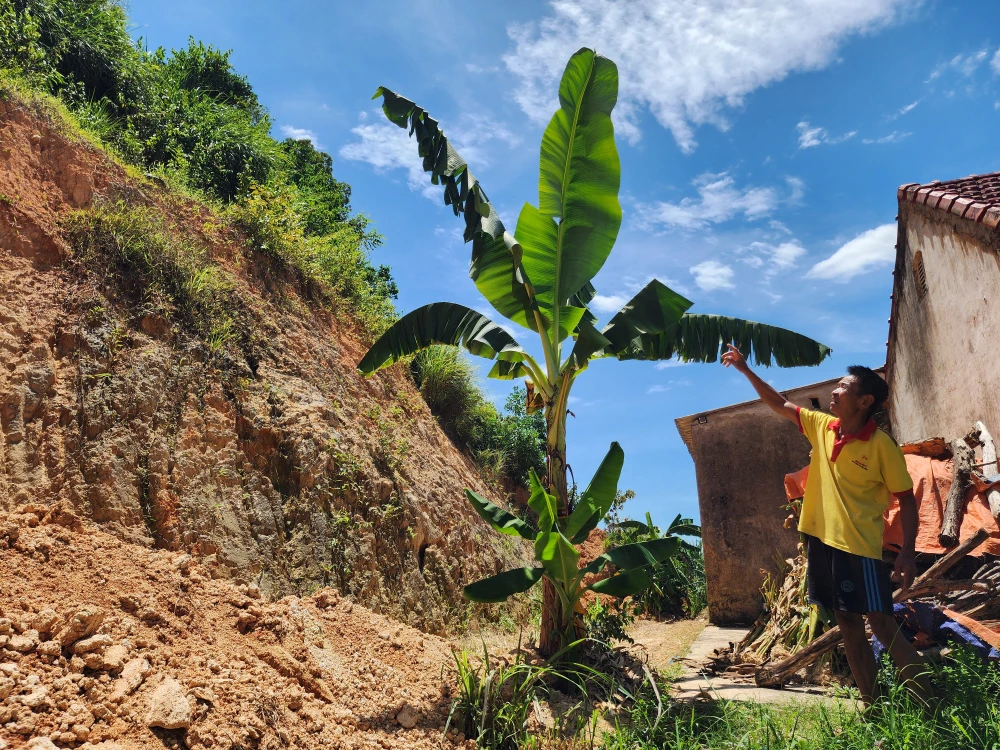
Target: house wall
(741,456)
(944,362)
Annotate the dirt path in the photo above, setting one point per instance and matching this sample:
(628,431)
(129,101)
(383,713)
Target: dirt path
(666,642)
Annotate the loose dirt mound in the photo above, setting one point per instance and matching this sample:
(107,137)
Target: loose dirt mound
(281,465)
(108,644)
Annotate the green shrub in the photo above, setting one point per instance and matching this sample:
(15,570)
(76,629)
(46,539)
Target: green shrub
(679,587)
(506,446)
(270,217)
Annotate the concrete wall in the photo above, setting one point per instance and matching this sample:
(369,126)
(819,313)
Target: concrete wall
(944,361)
(741,455)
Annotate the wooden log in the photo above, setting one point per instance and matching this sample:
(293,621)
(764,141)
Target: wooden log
(961,480)
(990,467)
(780,672)
(935,447)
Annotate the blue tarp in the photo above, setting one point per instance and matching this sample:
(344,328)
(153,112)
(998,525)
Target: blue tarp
(915,617)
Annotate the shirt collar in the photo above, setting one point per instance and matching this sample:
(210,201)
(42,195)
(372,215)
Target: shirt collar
(865,433)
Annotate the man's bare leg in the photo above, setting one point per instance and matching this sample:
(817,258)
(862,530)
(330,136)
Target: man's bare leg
(909,663)
(859,653)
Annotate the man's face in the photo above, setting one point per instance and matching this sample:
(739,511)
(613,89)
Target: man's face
(845,401)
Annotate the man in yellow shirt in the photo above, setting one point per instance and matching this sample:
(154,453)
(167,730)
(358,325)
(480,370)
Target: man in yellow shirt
(854,469)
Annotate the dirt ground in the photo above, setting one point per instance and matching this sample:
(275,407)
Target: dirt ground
(105,644)
(666,642)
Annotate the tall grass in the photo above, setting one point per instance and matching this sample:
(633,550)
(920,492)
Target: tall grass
(156,270)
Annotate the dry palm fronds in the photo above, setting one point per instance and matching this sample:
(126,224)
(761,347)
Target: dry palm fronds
(789,621)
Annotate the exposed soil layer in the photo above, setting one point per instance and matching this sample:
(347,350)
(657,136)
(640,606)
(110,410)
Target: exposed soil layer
(276,465)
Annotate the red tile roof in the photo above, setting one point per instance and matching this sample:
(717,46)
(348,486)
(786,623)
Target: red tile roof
(976,198)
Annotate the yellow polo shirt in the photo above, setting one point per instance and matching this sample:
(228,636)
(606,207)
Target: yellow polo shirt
(849,485)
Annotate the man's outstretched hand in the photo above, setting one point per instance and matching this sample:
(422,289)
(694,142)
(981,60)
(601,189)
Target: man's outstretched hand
(734,358)
(904,571)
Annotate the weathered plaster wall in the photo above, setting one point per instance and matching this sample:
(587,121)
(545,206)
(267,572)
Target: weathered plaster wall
(741,455)
(945,359)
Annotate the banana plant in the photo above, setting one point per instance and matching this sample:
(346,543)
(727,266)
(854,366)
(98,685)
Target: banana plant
(555,551)
(540,276)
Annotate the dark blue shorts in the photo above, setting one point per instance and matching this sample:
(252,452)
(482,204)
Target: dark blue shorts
(846,582)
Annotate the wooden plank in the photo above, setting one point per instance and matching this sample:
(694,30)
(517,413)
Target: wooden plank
(989,468)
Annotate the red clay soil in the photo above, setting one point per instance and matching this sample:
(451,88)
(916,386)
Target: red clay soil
(100,639)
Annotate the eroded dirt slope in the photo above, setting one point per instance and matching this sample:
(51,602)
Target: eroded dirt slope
(279,467)
(109,644)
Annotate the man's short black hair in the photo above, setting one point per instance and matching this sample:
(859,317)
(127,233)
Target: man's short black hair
(870,383)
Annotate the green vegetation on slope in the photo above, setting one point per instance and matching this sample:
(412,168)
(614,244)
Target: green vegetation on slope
(190,118)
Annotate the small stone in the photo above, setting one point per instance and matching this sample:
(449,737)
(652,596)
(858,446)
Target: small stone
(253,591)
(34,699)
(82,623)
(169,707)
(49,648)
(407,717)
(6,626)
(93,643)
(114,657)
(6,686)
(384,635)
(81,732)
(133,673)
(45,621)
(40,743)
(24,643)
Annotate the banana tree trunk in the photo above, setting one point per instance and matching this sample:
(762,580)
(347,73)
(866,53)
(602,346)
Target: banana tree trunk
(554,620)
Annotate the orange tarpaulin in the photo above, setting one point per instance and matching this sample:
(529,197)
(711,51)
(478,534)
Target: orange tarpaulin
(931,481)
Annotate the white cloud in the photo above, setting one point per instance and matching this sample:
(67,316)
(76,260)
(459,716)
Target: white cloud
(300,134)
(688,61)
(711,275)
(903,110)
(658,389)
(964,65)
(608,303)
(810,137)
(780,257)
(718,200)
(864,253)
(388,147)
(667,364)
(893,137)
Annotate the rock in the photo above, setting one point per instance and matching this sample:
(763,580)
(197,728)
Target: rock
(6,686)
(93,643)
(40,743)
(80,732)
(114,657)
(407,717)
(131,678)
(82,623)
(6,626)
(169,707)
(34,699)
(45,621)
(24,643)
(49,648)
(245,622)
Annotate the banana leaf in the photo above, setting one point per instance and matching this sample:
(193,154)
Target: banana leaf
(441,323)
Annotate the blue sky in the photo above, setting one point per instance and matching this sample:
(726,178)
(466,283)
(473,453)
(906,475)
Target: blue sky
(761,143)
